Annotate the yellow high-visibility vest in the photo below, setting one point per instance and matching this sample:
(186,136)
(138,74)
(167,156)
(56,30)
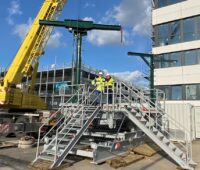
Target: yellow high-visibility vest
(99,82)
(110,83)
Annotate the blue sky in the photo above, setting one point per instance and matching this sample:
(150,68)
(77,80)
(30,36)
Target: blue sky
(102,50)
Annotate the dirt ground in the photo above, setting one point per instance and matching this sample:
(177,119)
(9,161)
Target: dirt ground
(19,159)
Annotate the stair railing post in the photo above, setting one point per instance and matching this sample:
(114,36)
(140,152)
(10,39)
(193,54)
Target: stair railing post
(78,96)
(113,97)
(129,96)
(120,95)
(190,149)
(38,144)
(107,95)
(187,149)
(85,94)
(88,95)
(82,121)
(101,98)
(149,112)
(56,148)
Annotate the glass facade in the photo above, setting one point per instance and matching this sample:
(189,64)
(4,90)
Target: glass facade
(163,3)
(174,32)
(176,93)
(183,58)
(181,92)
(177,31)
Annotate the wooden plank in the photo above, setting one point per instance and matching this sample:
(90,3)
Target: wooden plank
(8,144)
(124,161)
(45,165)
(146,150)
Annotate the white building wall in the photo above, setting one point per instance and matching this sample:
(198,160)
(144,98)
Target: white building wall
(184,115)
(177,75)
(177,47)
(175,12)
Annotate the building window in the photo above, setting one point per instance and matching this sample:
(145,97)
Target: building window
(191,92)
(163,61)
(181,92)
(163,34)
(183,58)
(198,27)
(183,30)
(188,29)
(163,3)
(177,59)
(190,58)
(174,32)
(198,56)
(176,93)
(166,90)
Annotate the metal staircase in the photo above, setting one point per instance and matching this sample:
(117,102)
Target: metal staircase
(69,128)
(132,102)
(151,122)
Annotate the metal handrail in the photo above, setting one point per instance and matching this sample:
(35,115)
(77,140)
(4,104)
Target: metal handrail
(77,111)
(160,126)
(187,140)
(80,109)
(60,109)
(51,117)
(147,100)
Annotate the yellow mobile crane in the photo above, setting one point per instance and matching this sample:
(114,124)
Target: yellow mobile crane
(13,94)
(25,63)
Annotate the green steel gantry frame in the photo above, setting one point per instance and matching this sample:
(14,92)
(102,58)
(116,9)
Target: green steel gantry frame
(80,28)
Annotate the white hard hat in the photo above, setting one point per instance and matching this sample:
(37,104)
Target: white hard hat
(100,73)
(107,74)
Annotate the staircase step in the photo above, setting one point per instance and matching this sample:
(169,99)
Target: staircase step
(72,128)
(68,134)
(172,147)
(154,130)
(52,152)
(133,110)
(179,152)
(160,135)
(138,115)
(148,125)
(75,124)
(46,157)
(166,141)
(60,145)
(143,120)
(65,139)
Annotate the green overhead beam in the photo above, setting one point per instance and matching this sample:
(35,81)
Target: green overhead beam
(80,25)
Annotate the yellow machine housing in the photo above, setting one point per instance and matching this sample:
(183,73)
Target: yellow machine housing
(14,94)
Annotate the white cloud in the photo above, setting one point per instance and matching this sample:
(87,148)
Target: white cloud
(132,13)
(10,21)
(135,77)
(129,76)
(14,9)
(87,5)
(99,37)
(55,40)
(22,29)
(88,19)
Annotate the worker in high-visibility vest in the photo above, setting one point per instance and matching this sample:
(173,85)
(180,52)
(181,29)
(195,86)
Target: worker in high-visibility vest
(99,83)
(109,84)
